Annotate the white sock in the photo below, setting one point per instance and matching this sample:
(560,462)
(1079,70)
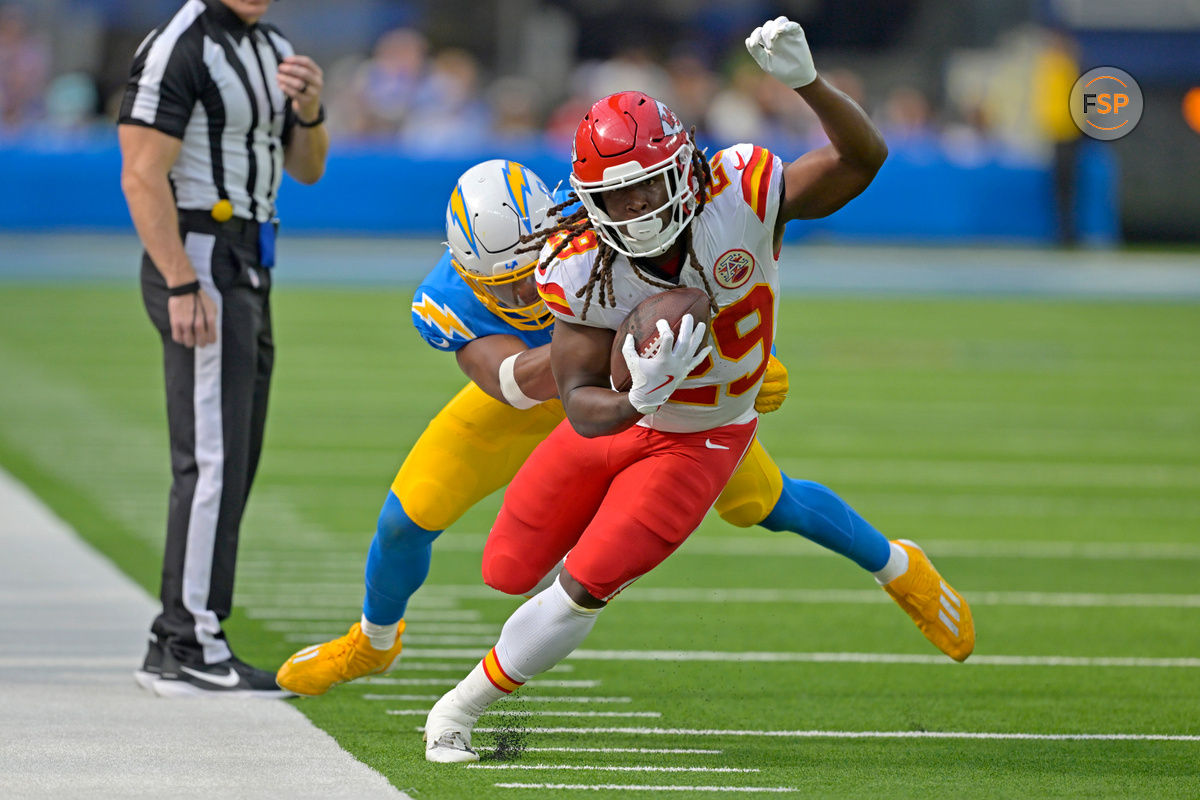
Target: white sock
(539,634)
(476,692)
(897,565)
(547,579)
(383,637)
(542,632)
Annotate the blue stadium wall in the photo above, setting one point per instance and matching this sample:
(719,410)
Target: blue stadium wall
(920,195)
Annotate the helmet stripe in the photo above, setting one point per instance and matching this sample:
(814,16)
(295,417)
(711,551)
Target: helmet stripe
(518,189)
(458,208)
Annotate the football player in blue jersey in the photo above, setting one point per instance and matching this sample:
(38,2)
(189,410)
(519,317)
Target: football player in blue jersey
(481,303)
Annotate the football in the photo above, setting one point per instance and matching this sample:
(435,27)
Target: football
(642,322)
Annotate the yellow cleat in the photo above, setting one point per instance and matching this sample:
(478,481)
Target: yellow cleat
(940,612)
(314,670)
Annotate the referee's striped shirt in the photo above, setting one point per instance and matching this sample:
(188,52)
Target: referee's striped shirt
(208,78)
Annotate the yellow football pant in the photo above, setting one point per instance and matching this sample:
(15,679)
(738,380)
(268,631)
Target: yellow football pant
(476,444)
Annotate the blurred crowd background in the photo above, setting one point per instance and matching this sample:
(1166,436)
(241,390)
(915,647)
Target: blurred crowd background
(959,81)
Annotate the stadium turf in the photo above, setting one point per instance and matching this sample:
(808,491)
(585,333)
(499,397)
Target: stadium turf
(1046,454)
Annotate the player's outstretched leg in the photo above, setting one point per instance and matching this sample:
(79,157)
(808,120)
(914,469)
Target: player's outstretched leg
(818,514)
(397,565)
(938,610)
(905,572)
(539,634)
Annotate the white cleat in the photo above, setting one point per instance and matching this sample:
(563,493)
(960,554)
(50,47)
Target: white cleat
(452,747)
(448,732)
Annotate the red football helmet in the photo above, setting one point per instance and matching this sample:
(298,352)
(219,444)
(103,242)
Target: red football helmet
(626,138)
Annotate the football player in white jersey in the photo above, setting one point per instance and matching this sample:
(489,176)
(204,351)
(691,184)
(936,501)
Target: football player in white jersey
(629,475)
(481,303)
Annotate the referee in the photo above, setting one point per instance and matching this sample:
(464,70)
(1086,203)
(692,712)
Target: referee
(217,106)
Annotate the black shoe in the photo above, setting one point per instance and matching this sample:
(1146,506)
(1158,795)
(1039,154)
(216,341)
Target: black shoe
(229,678)
(151,669)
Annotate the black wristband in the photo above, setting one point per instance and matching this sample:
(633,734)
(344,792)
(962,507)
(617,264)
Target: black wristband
(320,118)
(184,288)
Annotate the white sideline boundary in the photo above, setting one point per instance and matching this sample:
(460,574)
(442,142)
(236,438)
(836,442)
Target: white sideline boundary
(72,630)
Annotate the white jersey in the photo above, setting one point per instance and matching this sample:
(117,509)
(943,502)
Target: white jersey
(734,241)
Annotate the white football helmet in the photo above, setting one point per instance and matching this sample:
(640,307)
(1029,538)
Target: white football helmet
(491,207)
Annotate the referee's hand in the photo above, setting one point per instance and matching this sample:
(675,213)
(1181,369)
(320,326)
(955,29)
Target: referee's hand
(193,319)
(301,79)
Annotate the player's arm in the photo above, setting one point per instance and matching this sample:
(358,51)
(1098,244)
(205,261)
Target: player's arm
(307,146)
(822,181)
(580,360)
(147,155)
(508,370)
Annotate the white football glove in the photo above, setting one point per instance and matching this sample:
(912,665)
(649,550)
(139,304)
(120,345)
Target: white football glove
(655,377)
(781,50)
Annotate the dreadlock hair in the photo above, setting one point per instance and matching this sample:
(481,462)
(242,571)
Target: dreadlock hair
(578,223)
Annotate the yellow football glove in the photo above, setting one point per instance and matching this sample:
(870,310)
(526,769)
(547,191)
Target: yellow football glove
(774,387)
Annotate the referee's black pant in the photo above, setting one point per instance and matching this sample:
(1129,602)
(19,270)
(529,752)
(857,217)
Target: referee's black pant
(216,410)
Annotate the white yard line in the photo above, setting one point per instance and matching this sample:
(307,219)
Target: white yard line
(486,640)
(318,626)
(761,542)
(265,588)
(413,712)
(455,615)
(344,605)
(452,681)
(414,663)
(603,768)
(303,612)
(777,544)
(851,658)
(439,628)
(995,473)
(521,698)
(620,787)
(881,658)
(819,734)
(86,730)
(341,606)
(463,666)
(416,638)
(855,596)
(638,750)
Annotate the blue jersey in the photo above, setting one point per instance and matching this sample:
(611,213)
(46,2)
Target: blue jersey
(447,313)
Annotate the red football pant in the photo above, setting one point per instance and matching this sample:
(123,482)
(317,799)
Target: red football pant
(619,504)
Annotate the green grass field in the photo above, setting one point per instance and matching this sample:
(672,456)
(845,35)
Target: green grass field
(1046,454)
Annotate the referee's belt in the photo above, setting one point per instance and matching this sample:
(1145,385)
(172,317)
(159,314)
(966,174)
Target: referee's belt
(235,228)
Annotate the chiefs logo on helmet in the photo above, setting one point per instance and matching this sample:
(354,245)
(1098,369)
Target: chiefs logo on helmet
(670,123)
